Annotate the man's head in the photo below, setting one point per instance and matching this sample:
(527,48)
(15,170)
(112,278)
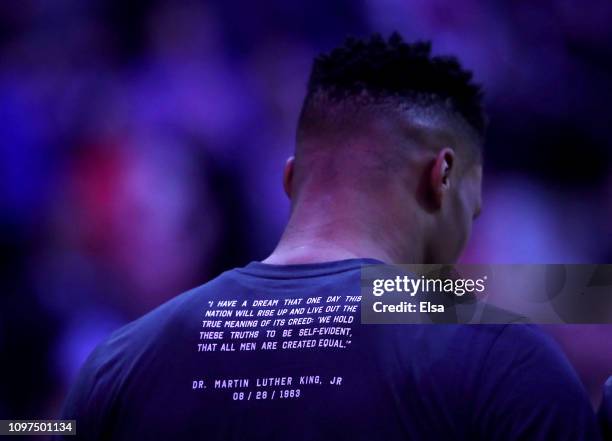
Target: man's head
(394,135)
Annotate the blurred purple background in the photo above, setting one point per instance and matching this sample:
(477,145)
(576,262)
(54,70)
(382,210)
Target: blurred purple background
(142,146)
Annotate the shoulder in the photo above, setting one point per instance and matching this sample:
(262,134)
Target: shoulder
(524,342)
(527,386)
(110,364)
(516,356)
(135,338)
(527,353)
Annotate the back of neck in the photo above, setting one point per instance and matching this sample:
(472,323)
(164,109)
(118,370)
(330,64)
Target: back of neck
(323,236)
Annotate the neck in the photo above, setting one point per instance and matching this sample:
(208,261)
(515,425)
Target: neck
(333,228)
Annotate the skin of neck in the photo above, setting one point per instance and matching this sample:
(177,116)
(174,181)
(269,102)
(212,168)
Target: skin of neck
(346,223)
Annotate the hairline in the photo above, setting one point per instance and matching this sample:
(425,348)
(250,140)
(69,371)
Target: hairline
(420,111)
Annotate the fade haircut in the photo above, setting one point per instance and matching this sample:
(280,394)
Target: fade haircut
(362,75)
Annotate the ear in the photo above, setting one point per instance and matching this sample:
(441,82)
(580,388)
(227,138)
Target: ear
(440,174)
(288,176)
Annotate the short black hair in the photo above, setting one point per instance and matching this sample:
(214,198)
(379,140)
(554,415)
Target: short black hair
(394,69)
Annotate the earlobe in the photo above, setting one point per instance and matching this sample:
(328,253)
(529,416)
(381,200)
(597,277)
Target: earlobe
(288,176)
(441,174)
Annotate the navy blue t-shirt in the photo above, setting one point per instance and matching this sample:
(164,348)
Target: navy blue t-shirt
(271,352)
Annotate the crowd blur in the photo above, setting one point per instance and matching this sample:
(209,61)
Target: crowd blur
(142,146)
